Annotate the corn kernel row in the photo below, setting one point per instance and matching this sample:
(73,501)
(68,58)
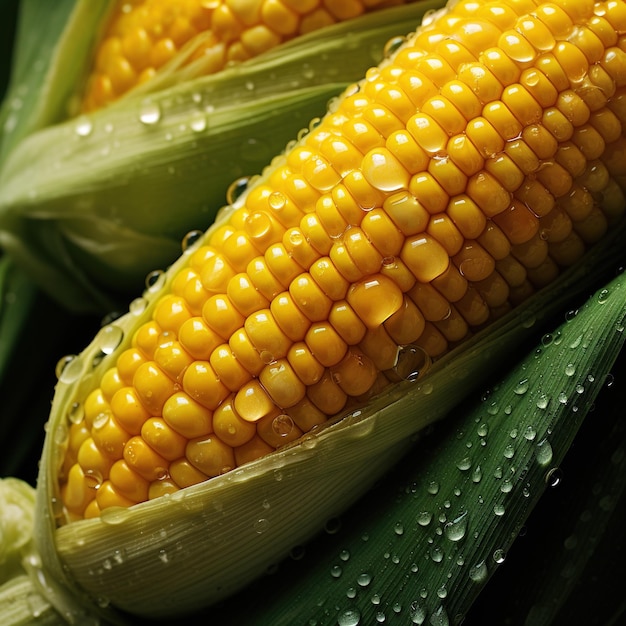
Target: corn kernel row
(454,181)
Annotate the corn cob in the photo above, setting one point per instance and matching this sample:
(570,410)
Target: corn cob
(144,35)
(454,181)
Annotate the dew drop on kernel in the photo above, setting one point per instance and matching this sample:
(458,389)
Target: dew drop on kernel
(411,362)
(276,200)
(282,425)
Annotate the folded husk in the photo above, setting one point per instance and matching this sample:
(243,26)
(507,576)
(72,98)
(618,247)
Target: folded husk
(178,553)
(91,204)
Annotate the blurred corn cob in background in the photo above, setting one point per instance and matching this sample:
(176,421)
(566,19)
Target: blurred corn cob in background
(86,200)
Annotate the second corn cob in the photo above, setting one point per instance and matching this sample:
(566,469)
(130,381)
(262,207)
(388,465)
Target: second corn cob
(145,35)
(443,190)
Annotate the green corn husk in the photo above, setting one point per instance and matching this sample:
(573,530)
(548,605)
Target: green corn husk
(91,204)
(419,549)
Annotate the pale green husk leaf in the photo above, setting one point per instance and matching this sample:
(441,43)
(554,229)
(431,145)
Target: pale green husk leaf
(174,555)
(92,204)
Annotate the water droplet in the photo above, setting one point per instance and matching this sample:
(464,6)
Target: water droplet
(351,592)
(277,200)
(114,515)
(333,526)
(350,617)
(433,487)
(336,571)
(456,529)
(499,556)
(439,617)
(464,464)
(499,509)
(191,239)
(198,122)
(483,430)
(603,296)
(69,368)
(163,556)
(417,613)
(543,401)
(477,474)
(506,486)
(258,224)
(436,554)
(530,433)
(478,573)
(509,451)
(411,362)
(562,397)
(109,337)
(554,477)
(570,369)
(282,425)
(137,306)
(398,528)
(93,479)
(83,127)
(522,387)
(236,188)
(424,518)
(76,413)
(547,339)
(149,113)
(155,280)
(497,473)
(393,45)
(364,579)
(260,525)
